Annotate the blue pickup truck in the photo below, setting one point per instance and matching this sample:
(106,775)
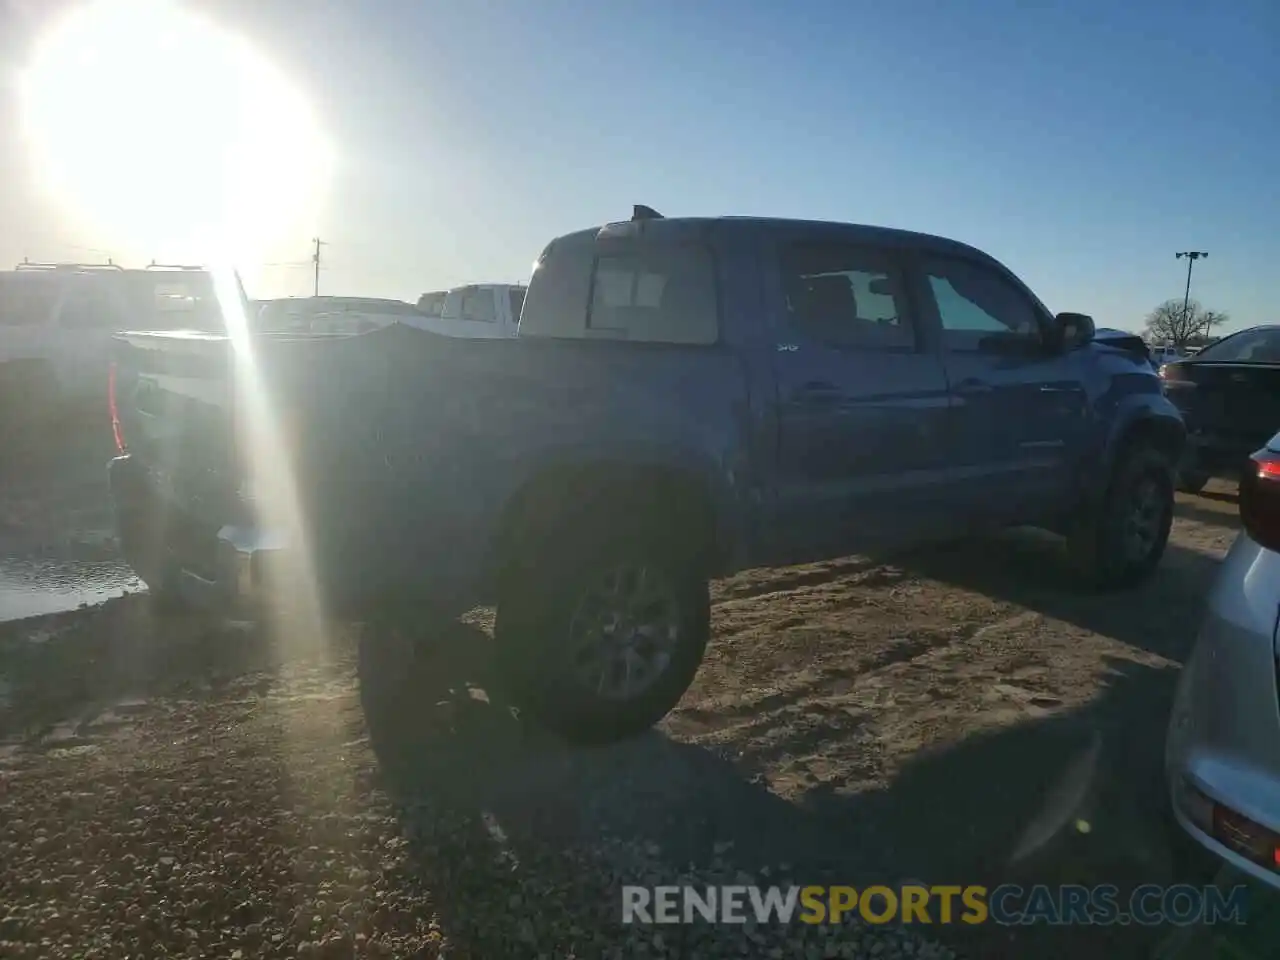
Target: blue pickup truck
(686,398)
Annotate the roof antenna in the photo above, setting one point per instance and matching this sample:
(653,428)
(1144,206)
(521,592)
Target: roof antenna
(640,212)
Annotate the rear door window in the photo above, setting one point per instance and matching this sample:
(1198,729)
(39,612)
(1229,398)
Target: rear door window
(666,294)
(849,296)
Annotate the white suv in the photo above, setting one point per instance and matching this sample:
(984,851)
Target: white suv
(57,320)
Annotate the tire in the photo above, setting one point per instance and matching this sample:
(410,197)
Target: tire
(1121,542)
(1190,481)
(551,606)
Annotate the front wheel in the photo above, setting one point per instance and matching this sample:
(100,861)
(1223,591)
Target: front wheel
(602,642)
(1120,543)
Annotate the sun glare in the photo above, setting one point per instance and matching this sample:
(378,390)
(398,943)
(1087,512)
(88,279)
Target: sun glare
(162,131)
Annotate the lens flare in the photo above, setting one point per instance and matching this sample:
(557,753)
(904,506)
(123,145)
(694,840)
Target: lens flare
(161,131)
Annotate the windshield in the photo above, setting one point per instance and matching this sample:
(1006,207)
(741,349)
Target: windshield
(1261,345)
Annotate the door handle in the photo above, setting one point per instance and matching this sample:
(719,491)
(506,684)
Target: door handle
(817,391)
(973,387)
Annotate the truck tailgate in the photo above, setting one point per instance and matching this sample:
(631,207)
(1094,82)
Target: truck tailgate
(173,407)
(203,420)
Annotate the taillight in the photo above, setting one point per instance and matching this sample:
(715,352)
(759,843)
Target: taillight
(1260,499)
(1174,377)
(114,410)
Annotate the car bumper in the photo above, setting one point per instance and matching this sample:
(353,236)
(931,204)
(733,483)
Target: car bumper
(1222,753)
(230,567)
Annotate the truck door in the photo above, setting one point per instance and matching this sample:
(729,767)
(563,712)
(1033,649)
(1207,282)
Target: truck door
(1019,409)
(861,404)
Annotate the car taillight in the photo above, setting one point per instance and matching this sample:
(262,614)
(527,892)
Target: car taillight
(114,410)
(1260,499)
(1174,377)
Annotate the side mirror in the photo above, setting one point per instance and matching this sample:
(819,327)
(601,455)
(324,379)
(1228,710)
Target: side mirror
(1071,330)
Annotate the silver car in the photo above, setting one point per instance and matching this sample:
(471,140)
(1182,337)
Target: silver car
(1222,755)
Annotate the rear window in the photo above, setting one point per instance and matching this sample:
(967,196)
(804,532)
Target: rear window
(432,304)
(477,304)
(665,294)
(1248,346)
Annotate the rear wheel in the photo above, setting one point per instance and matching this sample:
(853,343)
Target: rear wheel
(1120,543)
(600,643)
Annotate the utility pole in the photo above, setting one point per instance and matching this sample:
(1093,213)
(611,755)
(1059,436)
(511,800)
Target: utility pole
(315,259)
(1192,256)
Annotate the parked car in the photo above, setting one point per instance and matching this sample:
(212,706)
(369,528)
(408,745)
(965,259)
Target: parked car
(479,310)
(1229,396)
(1222,753)
(686,398)
(333,315)
(57,320)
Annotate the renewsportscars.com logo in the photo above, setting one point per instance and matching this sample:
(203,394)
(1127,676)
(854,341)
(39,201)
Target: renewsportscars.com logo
(1008,905)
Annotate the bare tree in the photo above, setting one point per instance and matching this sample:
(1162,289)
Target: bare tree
(1170,323)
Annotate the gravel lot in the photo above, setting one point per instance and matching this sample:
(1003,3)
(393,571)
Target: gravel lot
(176,788)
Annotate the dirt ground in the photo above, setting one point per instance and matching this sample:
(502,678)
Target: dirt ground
(179,788)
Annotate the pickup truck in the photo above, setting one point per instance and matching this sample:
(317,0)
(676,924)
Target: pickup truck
(686,398)
(482,310)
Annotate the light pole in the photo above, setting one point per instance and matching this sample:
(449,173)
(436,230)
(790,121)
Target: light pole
(1192,256)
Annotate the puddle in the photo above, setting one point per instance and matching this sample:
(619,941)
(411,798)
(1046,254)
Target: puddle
(34,587)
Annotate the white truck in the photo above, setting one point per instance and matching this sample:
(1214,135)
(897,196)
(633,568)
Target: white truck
(480,310)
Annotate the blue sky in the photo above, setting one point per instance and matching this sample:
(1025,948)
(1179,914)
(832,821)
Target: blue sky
(1081,143)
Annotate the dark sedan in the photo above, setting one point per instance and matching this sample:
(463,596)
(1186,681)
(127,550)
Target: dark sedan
(1229,396)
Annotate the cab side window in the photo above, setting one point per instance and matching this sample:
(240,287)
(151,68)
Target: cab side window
(977,307)
(847,296)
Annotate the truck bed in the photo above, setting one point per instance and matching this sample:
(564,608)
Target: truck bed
(397,449)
